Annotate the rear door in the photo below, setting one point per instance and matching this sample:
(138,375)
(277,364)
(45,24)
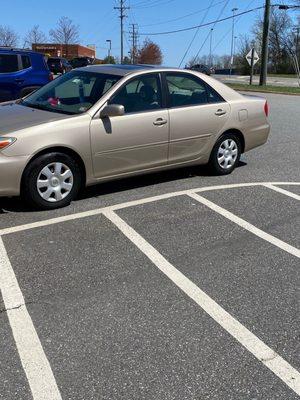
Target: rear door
(137,140)
(9,81)
(196,113)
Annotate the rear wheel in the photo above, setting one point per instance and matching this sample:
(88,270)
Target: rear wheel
(225,155)
(51,181)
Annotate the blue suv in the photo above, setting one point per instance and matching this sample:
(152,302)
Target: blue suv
(21,72)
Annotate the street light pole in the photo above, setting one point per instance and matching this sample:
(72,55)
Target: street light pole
(210,47)
(234,46)
(109,49)
(265,45)
(232,39)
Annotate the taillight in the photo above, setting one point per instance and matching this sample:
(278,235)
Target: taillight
(50,76)
(266,108)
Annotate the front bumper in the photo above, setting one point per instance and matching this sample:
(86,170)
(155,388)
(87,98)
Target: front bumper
(11,170)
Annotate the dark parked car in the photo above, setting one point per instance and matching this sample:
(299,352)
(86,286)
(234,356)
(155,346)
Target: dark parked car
(80,62)
(202,68)
(21,72)
(59,65)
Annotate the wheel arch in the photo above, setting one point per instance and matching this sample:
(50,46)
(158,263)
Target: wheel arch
(237,133)
(60,149)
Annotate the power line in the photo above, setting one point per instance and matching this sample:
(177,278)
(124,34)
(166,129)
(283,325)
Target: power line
(195,34)
(155,4)
(184,16)
(202,25)
(229,30)
(214,24)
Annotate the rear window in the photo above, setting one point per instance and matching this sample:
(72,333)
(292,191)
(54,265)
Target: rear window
(8,63)
(26,62)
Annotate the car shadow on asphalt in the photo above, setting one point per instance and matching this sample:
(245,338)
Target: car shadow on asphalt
(16,204)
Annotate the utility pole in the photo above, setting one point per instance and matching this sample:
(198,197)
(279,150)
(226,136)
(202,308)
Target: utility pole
(265,45)
(232,39)
(122,8)
(134,39)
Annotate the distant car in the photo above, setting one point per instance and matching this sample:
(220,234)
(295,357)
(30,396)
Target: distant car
(58,65)
(105,122)
(79,62)
(201,68)
(21,72)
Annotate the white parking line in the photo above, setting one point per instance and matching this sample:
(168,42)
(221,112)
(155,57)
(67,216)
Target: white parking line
(246,225)
(34,361)
(289,375)
(90,213)
(282,191)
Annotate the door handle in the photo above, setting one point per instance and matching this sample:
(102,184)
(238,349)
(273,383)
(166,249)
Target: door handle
(19,80)
(160,121)
(220,112)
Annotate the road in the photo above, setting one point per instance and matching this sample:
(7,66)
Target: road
(273,81)
(188,288)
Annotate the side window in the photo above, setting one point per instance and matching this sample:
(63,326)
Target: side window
(213,96)
(185,90)
(109,83)
(26,62)
(8,63)
(140,94)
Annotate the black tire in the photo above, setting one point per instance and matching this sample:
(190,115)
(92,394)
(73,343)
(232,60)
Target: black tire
(213,164)
(29,190)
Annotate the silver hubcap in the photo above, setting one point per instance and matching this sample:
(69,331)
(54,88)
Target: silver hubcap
(55,182)
(227,153)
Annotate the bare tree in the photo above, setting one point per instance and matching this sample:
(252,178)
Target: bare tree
(150,53)
(8,37)
(35,35)
(280,36)
(66,33)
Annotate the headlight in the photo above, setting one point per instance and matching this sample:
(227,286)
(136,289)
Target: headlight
(6,141)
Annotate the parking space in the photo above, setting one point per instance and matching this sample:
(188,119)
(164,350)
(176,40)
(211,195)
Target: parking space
(176,285)
(162,297)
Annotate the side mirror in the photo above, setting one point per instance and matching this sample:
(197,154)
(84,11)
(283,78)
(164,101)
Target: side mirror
(112,110)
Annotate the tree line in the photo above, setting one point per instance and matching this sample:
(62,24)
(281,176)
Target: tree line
(66,33)
(284,46)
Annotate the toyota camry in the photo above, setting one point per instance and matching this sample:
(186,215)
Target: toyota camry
(104,122)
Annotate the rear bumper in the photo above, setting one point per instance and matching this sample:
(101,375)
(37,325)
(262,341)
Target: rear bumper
(11,170)
(257,136)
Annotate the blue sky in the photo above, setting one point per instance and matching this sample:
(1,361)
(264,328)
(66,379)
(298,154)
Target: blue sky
(98,21)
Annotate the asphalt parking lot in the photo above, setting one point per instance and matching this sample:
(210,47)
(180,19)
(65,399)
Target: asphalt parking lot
(171,286)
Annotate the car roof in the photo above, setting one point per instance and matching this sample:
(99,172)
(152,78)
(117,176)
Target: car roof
(23,51)
(125,69)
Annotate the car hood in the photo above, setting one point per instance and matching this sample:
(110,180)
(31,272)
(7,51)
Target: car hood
(14,117)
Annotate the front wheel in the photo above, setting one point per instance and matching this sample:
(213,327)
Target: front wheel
(225,154)
(51,181)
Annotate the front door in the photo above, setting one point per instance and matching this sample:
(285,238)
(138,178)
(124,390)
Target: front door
(197,112)
(137,140)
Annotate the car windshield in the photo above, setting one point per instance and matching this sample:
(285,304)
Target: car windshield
(72,93)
